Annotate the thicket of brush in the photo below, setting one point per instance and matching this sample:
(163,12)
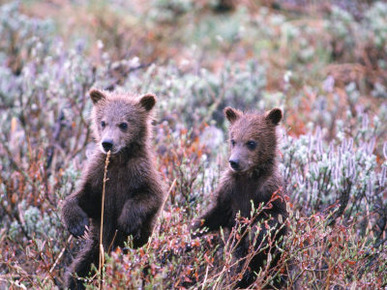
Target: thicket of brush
(325,66)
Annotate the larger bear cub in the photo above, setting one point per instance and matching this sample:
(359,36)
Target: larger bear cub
(252,177)
(134,193)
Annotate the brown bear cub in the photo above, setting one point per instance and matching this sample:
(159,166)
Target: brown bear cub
(134,193)
(252,177)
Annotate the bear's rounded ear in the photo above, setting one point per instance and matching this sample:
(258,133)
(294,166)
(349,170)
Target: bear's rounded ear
(96,95)
(274,116)
(231,114)
(148,101)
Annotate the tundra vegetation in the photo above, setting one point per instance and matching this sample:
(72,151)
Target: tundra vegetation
(323,64)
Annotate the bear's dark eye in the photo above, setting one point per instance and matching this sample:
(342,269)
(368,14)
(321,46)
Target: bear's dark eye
(103,124)
(251,145)
(123,126)
(233,142)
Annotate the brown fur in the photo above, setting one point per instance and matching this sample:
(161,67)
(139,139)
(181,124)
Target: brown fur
(252,176)
(134,193)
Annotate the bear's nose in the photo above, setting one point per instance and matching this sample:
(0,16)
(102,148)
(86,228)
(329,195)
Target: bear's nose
(107,145)
(234,164)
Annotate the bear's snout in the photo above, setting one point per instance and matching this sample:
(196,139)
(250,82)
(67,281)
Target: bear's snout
(107,145)
(234,164)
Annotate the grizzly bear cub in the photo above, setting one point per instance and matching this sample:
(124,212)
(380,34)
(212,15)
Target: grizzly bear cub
(252,177)
(134,193)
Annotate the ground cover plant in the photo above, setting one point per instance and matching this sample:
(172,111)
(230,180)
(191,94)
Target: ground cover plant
(325,65)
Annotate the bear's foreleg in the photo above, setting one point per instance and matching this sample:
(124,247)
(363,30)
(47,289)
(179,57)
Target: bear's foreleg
(75,219)
(134,215)
(215,218)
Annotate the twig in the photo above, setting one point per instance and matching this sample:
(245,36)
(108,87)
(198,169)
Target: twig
(112,243)
(101,250)
(162,207)
(56,261)
(205,278)
(55,137)
(60,254)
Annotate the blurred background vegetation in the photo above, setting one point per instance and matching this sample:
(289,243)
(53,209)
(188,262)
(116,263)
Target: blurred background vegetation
(323,62)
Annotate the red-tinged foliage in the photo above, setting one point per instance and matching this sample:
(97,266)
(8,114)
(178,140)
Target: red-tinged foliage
(337,73)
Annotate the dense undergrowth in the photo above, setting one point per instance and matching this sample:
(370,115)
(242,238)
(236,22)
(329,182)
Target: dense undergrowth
(324,66)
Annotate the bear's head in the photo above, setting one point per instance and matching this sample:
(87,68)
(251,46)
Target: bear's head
(252,138)
(120,121)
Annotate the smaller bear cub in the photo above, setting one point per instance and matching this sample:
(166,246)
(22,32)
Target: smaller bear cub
(252,176)
(121,124)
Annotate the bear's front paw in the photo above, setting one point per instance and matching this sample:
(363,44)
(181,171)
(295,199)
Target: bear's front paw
(77,225)
(128,226)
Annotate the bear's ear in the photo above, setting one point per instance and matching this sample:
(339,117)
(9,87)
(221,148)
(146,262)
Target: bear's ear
(148,101)
(274,116)
(96,95)
(231,114)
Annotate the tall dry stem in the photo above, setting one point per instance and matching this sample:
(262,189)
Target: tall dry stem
(101,249)
(161,214)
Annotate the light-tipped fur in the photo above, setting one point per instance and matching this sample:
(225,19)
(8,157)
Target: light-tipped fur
(252,176)
(134,191)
